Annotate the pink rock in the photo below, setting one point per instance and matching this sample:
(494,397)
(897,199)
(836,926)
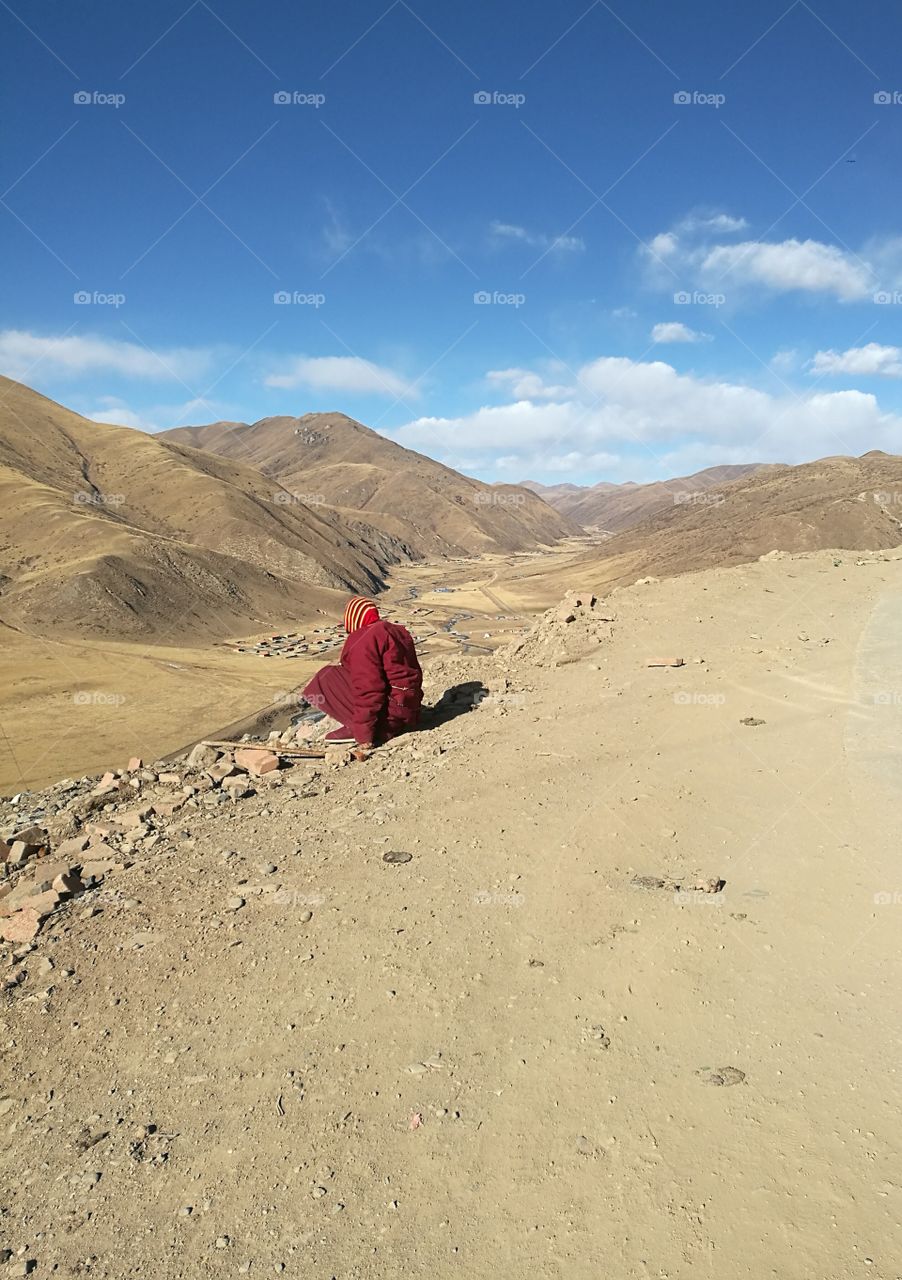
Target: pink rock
(135,763)
(21,927)
(256,760)
(72,847)
(67,882)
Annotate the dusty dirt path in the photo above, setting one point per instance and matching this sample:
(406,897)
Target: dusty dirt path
(501,1058)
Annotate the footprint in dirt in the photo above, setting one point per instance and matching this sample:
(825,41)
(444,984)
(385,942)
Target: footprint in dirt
(721,1076)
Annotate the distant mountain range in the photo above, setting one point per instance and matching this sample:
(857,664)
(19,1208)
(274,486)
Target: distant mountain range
(843,503)
(612,507)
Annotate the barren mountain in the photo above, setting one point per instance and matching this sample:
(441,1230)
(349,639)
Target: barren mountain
(330,459)
(843,503)
(613,507)
(109,531)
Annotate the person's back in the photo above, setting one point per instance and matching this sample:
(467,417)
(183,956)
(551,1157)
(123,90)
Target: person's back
(381,660)
(377,689)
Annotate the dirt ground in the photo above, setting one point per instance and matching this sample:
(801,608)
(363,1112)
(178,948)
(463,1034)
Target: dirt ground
(503,1057)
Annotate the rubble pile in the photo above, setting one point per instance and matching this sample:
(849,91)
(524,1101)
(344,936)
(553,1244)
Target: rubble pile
(563,634)
(78,833)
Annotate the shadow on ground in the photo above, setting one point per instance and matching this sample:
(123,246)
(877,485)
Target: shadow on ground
(454,702)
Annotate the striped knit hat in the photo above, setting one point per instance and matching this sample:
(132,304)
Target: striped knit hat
(359,612)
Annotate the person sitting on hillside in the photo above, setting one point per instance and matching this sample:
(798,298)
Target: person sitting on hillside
(376,690)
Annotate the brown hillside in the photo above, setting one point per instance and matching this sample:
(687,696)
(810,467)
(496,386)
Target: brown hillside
(844,503)
(331,459)
(109,531)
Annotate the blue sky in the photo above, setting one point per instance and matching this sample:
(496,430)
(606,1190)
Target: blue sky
(573,242)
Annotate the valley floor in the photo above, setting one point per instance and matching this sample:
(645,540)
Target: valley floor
(70,707)
(502,1057)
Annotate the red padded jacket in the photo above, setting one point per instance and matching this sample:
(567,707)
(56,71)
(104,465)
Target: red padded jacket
(381,661)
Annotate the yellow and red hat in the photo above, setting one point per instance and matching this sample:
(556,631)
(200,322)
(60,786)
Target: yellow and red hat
(360,612)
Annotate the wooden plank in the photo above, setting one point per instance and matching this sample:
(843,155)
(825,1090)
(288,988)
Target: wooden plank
(277,749)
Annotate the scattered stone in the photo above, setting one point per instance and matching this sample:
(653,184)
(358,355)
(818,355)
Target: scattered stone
(20,852)
(67,882)
(235,903)
(396,856)
(34,835)
(221,770)
(135,764)
(97,868)
(222,1242)
(256,761)
(170,779)
(72,847)
(709,886)
(751,720)
(202,756)
(666,662)
(22,926)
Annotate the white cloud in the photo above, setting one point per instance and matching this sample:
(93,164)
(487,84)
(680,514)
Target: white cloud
(26,355)
(718,223)
(525,384)
(688,252)
(616,405)
(664,245)
(871,360)
(792,265)
(674,331)
(537,240)
(340,373)
(785,361)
